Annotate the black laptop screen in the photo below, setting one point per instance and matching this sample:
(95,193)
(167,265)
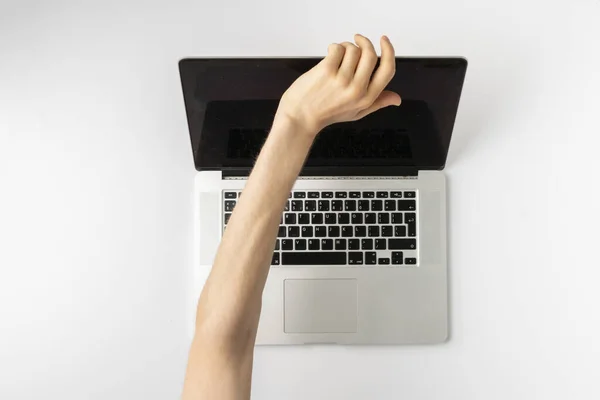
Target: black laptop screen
(230,105)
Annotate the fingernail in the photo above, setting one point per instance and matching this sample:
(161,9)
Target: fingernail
(386,38)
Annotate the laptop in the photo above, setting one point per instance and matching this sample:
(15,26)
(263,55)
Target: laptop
(360,256)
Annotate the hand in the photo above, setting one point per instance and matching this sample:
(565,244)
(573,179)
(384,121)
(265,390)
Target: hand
(340,87)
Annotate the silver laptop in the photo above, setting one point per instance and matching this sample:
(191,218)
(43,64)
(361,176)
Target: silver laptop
(360,256)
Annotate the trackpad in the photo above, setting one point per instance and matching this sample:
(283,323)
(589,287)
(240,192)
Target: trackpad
(320,305)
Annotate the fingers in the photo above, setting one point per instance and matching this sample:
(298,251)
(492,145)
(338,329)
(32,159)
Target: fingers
(368,59)
(350,61)
(385,99)
(335,54)
(386,70)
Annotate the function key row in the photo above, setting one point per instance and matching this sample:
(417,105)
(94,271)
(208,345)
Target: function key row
(339,195)
(352,195)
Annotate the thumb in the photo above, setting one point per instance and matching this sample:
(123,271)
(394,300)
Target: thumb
(385,99)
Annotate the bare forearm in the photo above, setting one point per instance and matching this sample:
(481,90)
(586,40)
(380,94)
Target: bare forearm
(231,299)
(342,87)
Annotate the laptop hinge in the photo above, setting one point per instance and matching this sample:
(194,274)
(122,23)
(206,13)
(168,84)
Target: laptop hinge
(332,171)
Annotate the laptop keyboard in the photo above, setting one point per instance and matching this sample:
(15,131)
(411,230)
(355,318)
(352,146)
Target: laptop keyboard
(352,228)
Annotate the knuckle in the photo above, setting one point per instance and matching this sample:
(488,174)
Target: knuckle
(356,92)
(353,50)
(335,47)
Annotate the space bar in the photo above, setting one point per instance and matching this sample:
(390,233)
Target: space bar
(316,258)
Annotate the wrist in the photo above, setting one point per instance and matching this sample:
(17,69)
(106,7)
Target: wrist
(289,135)
(297,126)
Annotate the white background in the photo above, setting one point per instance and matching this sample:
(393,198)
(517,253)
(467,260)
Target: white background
(96,180)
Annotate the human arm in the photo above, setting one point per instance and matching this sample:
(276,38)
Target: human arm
(342,87)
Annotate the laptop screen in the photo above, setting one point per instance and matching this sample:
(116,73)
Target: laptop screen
(230,105)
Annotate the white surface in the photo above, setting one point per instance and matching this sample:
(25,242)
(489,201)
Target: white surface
(96,179)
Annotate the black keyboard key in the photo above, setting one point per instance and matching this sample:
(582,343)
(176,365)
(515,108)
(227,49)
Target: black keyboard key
(340,244)
(314,244)
(341,195)
(409,195)
(387,231)
(310,205)
(407,205)
(357,218)
(347,231)
(410,261)
(410,217)
(355,258)
(307,231)
(293,231)
(360,231)
(380,244)
(402,244)
(277,244)
(390,205)
(320,231)
(363,205)
(355,195)
(353,244)
(373,231)
(369,195)
(400,231)
(384,261)
(350,205)
(376,205)
(230,195)
(304,218)
(300,244)
(313,195)
(382,195)
(290,218)
(370,218)
(327,195)
(366,244)
(412,229)
(316,218)
(336,205)
(397,258)
(275,259)
(383,218)
(370,258)
(343,218)
(229,205)
(330,218)
(323,205)
(333,231)
(314,258)
(396,218)
(299,195)
(326,244)
(297,205)
(281,232)
(396,195)
(287,206)
(287,244)
(226,218)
